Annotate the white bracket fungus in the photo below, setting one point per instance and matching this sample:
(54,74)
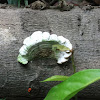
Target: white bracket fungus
(42,44)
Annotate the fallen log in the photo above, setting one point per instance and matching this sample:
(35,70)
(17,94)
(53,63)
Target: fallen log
(80,27)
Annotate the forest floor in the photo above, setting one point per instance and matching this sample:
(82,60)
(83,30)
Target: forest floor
(6,6)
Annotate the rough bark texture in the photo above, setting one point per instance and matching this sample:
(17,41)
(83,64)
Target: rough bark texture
(80,27)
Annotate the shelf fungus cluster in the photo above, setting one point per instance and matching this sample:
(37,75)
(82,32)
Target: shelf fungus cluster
(42,44)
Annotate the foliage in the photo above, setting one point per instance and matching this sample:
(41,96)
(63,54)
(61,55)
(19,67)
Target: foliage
(17,2)
(56,78)
(72,85)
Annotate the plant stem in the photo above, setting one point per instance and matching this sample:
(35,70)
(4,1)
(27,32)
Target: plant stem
(26,2)
(74,68)
(19,3)
(73,63)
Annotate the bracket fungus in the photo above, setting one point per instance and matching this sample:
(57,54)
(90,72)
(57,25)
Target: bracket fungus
(42,44)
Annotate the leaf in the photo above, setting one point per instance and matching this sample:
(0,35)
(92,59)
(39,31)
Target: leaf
(75,83)
(56,78)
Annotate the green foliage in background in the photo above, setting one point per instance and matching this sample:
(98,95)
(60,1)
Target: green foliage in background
(73,84)
(17,2)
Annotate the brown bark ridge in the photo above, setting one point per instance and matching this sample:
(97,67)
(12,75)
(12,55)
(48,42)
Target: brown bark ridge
(80,27)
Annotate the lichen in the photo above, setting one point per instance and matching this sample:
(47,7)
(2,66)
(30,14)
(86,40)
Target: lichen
(42,44)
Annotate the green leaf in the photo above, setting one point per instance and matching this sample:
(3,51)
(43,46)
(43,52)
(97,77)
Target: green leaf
(56,78)
(75,83)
